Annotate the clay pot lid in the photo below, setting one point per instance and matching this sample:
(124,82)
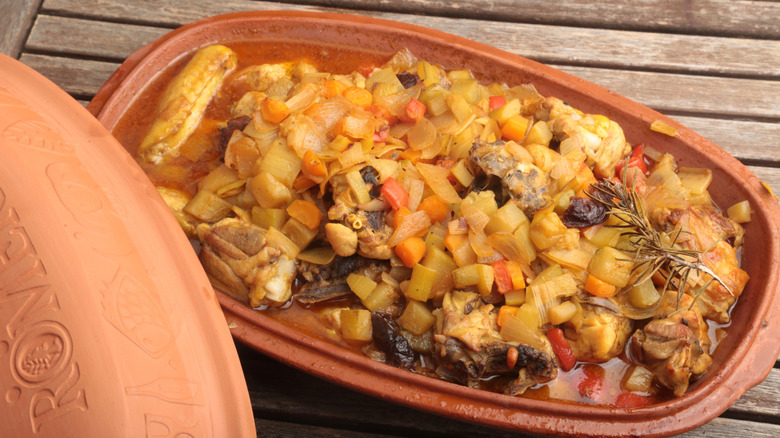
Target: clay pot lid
(110,325)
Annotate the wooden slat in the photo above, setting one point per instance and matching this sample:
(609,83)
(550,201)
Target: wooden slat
(769,175)
(545,43)
(753,142)
(15,19)
(86,38)
(715,17)
(78,77)
(694,95)
(761,400)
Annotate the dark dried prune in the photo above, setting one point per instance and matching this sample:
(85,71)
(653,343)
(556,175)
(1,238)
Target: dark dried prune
(408,79)
(583,213)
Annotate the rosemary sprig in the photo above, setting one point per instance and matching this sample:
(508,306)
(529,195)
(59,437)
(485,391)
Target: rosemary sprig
(654,251)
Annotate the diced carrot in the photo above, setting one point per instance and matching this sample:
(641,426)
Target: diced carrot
(382,112)
(516,273)
(381,135)
(496,102)
(414,110)
(435,207)
(411,250)
(359,96)
(599,288)
(313,165)
(503,312)
(306,212)
(274,111)
(334,88)
(400,215)
(561,348)
(514,129)
(410,154)
(394,193)
(303,182)
(502,276)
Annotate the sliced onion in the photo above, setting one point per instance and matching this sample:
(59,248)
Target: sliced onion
(436,178)
(510,247)
(317,256)
(412,225)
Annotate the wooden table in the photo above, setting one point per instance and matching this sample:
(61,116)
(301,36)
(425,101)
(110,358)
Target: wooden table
(712,65)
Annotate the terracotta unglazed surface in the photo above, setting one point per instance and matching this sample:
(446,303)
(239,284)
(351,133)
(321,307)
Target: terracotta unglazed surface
(110,326)
(743,359)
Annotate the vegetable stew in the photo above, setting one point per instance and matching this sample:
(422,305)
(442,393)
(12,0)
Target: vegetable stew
(478,233)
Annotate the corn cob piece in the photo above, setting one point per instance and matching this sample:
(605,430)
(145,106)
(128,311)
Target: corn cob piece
(184,102)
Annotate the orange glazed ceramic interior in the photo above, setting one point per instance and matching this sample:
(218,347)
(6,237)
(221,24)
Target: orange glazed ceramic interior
(743,359)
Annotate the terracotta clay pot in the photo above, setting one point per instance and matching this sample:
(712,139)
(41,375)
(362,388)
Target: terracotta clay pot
(110,326)
(743,359)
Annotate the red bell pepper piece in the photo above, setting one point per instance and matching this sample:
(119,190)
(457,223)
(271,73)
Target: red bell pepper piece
(413,111)
(631,400)
(394,193)
(593,380)
(561,348)
(502,276)
(496,102)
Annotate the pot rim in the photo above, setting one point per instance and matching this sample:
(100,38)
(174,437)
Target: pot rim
(756,353)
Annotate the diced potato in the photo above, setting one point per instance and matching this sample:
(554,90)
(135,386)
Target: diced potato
(269,191)
(382,297)
(356,325)
(515,297)
(486,277)
(460,107)
(529,314)
(220,177)
(510,109)
(739,212)
(466,276)
(643,295)
(467,87)
(269,217)
(506,219)
(207,206)
(299,233)
(562,312)
(605,236)
(416,318)
(539,134)
(612,266)
(462,173)
(281,162)
(438,260)
(546,229)
(421,283)
(637,378)
(695,179)
(361,285)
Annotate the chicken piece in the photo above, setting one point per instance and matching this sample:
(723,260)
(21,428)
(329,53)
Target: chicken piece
(184,102)
(325,282)
(526,183)
(373,231)
(469,346)
(176,200)
(237,255)
(675,347)
(707,230)
(601,335)
(601,139)
(260,77)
